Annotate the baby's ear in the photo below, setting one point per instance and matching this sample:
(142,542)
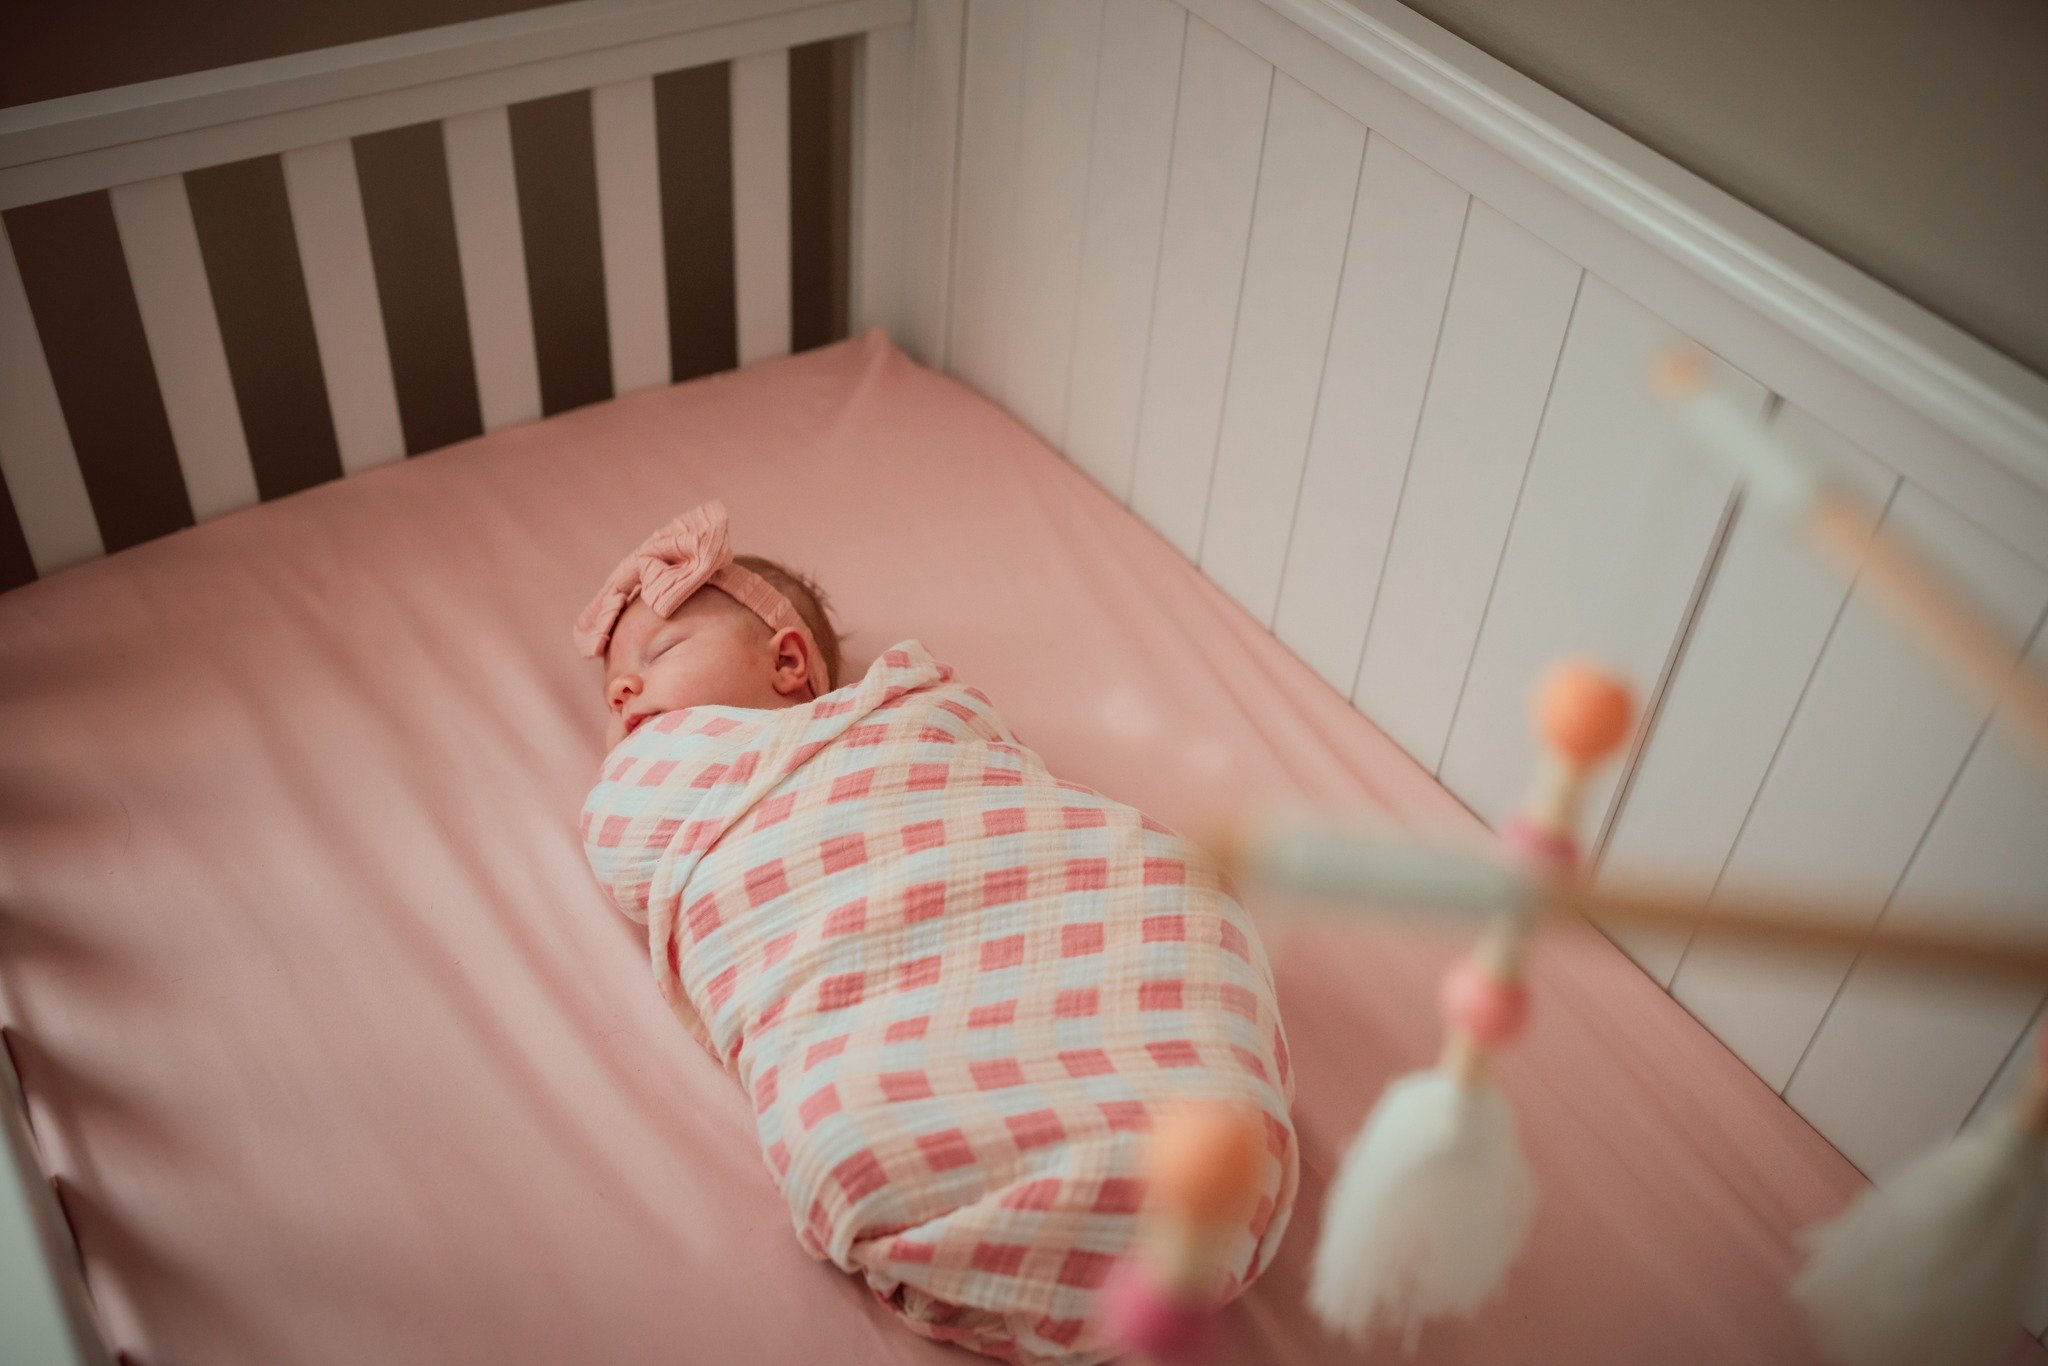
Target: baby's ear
(794,666)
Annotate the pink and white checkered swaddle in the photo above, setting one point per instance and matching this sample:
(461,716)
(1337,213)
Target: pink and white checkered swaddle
(955,987)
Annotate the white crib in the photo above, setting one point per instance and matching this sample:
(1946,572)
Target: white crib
(1353,314)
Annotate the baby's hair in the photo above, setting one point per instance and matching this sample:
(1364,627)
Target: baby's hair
(811,604)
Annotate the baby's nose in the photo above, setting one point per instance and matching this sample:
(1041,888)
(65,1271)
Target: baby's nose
(621,691)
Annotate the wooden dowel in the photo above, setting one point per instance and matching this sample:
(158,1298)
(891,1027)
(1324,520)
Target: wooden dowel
(1956,631)
(1331,865)
(1812,922)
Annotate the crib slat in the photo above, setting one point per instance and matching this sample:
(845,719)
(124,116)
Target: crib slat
(341,287)
(882,108)
(1061,42)
(760,203)
(161,246)
(36,456)
(1511,297)
(984,235)
(1136,92)
(1307,183)
(1219,132)
(1902,1054)
(1405,231)
(493,253)
(1753,645)
(938,39)
(1878,739)
(629,224)
(1613,530)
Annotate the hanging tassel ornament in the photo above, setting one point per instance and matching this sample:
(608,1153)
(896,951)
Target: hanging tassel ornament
(1203,1169)
(1434,1199)
(1933,1267)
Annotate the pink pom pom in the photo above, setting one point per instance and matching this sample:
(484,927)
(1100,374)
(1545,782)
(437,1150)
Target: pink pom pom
(1143,1317)
(1547,850)
(1490,1010)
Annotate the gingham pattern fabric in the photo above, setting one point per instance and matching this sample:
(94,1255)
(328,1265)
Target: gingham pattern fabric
(957,989)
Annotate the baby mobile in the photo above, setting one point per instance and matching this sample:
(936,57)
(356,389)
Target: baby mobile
(1433,1202)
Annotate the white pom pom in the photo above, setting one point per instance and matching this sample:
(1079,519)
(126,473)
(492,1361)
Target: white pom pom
(1430,1208)
(1933,1267)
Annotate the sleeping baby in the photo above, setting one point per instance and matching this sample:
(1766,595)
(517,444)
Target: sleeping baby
(956,988)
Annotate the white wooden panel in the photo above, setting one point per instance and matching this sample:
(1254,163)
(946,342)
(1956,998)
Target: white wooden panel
(938,38)
(629,233)
(1615,526)
(161,246)
(1904,1053)
(984,238)
(760,203)
(876,291)
(489,243)
(1864,360)
(1137,89)
(1405,232)
(1754,643)
(1061,40)
(1511,300)
(36,456)
(1876,742)
(1308,183)
(2004,1089)
(341,287)
(1218,134)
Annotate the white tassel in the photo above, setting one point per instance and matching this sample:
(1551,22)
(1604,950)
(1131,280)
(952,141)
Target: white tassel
(1933,1267)
(1431,1206)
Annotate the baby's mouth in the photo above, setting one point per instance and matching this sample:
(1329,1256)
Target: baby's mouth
(633,721)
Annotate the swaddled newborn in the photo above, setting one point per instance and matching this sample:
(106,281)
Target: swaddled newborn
(957,989)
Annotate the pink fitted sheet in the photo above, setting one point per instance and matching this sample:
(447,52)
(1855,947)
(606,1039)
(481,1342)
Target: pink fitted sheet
(338,1054)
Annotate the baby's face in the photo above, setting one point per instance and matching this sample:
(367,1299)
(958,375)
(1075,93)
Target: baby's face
(711,652)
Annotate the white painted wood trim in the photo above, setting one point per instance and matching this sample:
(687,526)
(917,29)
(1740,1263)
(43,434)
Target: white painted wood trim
(760,203)
(629,229)
(88,142)
(938,58)
(881,145)
(489,242)
(341,287)
(1942,408)
(161,246)
(36,455)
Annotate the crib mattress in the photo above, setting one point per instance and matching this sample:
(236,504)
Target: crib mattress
(338,1053)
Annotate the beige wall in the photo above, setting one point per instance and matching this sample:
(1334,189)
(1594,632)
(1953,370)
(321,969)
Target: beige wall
(1909,137)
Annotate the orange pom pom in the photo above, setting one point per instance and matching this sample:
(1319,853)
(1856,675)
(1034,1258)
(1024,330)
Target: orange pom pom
(1206,1160)
(1584,713)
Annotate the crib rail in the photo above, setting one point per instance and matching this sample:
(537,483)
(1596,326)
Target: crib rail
(315,113)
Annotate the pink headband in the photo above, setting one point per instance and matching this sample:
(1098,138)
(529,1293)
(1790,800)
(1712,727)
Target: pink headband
(693,550)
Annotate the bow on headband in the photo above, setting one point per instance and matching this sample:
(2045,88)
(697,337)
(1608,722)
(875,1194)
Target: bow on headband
(693,550)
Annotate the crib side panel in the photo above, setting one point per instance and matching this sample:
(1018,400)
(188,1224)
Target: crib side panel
(1510,304)
(1758,634)
(1137,97)
(1439,471)
(1219,134)
(241,416)
(1407,227)
(1307,184)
